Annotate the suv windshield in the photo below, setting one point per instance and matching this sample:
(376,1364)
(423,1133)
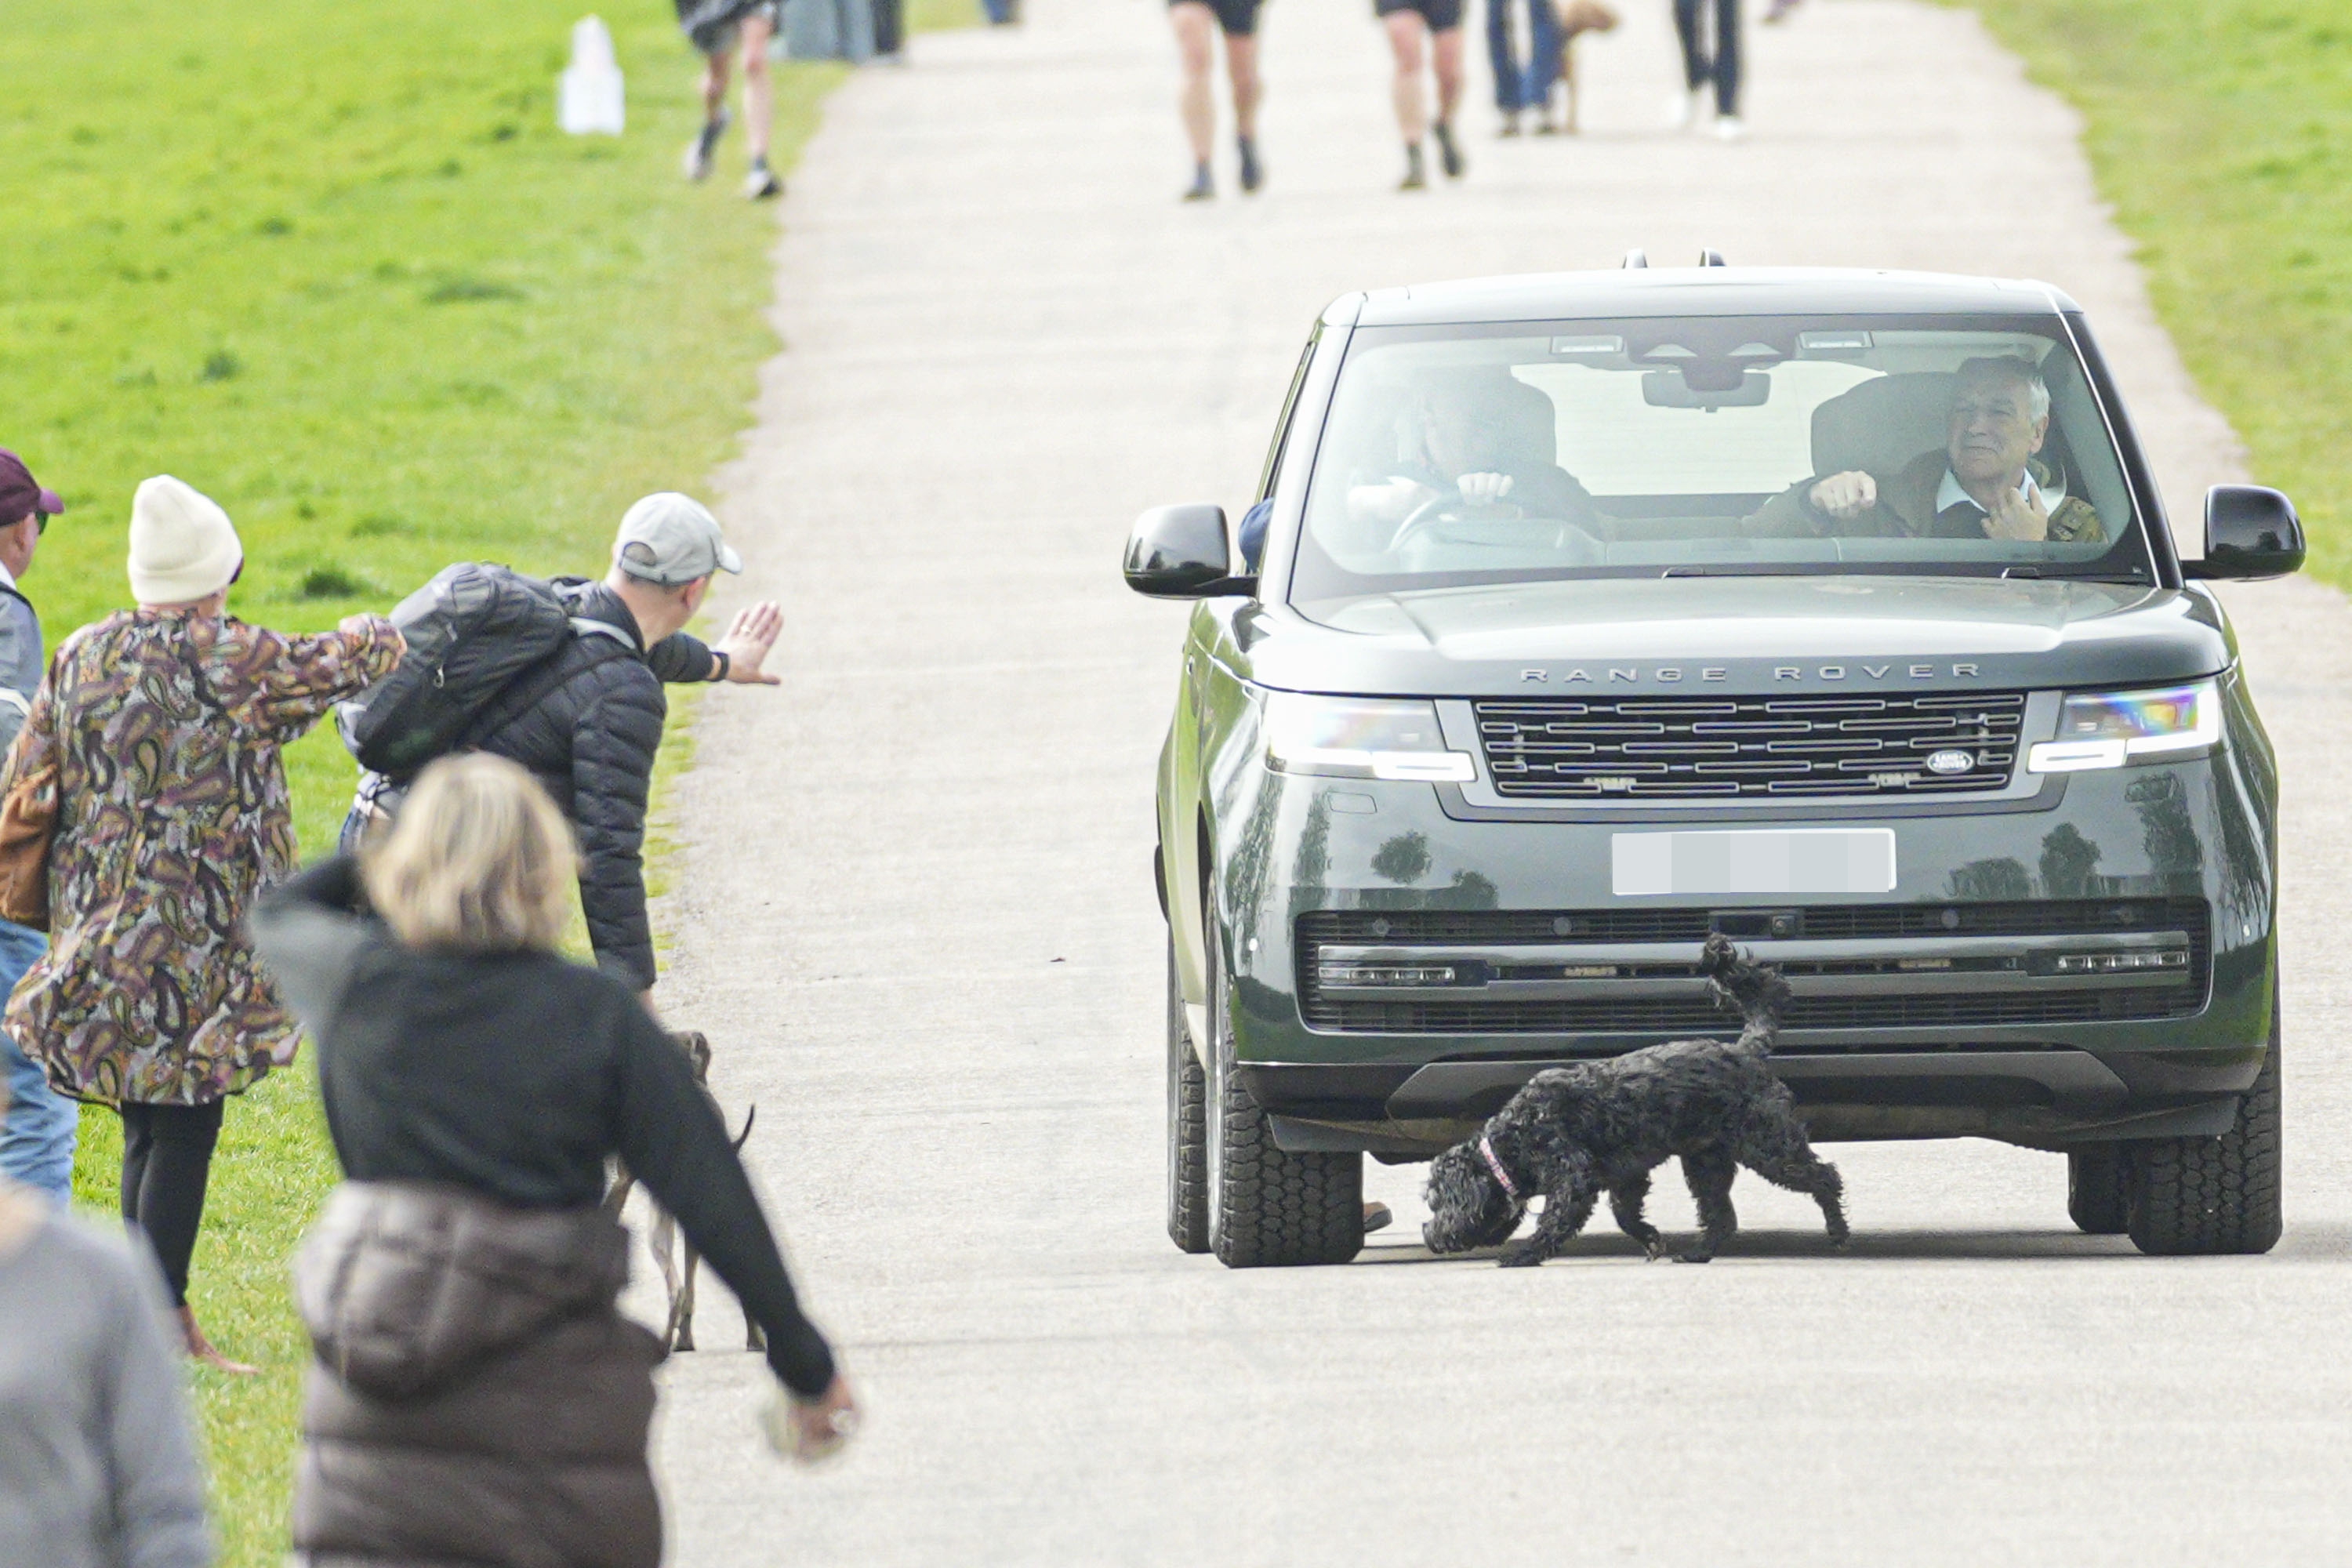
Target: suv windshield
(1461,455)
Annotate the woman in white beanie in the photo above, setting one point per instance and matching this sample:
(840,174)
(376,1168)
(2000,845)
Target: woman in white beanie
(164,726)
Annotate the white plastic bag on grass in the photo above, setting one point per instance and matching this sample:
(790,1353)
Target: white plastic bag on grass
(588,95)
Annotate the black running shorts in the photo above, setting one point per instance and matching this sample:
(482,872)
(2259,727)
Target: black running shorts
(1237,17)
(713,25)
(1442,15)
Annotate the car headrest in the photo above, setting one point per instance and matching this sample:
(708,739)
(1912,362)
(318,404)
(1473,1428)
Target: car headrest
(1884,423)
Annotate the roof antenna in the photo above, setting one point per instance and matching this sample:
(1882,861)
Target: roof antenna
(1712,259)
(1635,259)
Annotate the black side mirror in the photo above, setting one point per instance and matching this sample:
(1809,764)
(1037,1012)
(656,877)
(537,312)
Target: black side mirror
(1180,553)
(2250,532)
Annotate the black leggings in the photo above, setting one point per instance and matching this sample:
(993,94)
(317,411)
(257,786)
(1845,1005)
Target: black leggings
(1723,66)
(167,1158)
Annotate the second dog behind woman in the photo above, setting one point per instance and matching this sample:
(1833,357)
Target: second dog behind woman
(475,1083)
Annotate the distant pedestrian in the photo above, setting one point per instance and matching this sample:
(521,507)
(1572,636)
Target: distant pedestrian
(720,29)
(475,1083)
(890,32)
(1523,85)
(1417,28)
(1709,60)
(1001,12)
(166,726)
(37,1131)
(96,1468)
(588,727)
(1198,24)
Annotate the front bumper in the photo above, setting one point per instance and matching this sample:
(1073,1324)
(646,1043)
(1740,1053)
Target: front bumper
(1935,1010)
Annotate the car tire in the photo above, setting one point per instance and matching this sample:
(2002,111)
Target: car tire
(1188,1127)
(2208,1196)
(1269,1209)
(2095,1198)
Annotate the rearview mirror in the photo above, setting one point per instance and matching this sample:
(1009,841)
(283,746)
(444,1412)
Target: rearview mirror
(1706,386)
(2250,532)
(1182,553)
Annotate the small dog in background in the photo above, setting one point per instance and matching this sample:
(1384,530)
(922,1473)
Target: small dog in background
(663,1240)
(1574,1132)
(1577,17)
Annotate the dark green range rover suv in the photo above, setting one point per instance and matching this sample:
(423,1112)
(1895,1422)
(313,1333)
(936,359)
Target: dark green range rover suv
(1584,614)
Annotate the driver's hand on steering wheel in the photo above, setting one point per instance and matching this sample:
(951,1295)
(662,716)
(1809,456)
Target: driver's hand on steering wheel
(1483,489)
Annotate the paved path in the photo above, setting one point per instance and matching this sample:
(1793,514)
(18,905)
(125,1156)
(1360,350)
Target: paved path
(917,918)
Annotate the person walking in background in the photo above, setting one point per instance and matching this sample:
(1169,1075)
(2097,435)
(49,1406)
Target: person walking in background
(1519,86)
(475,1083)
(1198,24)
(890,32)
(166,726)
(37,1131)
(1417,28)
(96,1468)
(1706,61)
(719,29)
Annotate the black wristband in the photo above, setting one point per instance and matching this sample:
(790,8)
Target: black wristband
(725,663)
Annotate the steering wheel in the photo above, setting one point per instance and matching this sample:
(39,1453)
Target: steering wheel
(1452,507)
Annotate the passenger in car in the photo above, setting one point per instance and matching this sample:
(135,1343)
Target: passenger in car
(1487,440)
(1985,482)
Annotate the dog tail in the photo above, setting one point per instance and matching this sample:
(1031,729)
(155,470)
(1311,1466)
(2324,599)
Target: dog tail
(745,1136)
(1756,989)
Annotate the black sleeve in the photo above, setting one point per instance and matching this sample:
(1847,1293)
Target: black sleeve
(613,740)
(309,935)
(673,1142)
(678,658)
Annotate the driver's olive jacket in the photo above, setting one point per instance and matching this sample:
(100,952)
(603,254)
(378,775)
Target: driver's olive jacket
(1907,510)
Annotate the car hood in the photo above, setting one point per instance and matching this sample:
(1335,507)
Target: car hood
(1733,634)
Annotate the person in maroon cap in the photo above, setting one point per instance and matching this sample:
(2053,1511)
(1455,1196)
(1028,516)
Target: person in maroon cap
(37,1131)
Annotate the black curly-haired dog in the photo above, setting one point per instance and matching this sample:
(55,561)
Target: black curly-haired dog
(1574,1132)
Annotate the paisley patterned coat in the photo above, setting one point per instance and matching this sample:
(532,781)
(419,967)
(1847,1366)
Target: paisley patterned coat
(166,728)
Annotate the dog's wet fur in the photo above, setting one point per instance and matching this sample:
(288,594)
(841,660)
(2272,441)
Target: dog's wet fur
(1575,1131)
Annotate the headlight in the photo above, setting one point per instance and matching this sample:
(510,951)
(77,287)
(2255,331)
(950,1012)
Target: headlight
(1360,738)
(2105,730)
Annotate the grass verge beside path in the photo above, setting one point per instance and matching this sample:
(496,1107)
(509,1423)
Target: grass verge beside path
(2222,129)
(334,266)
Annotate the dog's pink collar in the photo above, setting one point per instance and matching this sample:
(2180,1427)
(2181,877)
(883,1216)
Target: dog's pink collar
(1487,1151)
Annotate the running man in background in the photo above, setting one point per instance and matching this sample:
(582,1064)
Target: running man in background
(1435,27)
(1197,24)
(718,28)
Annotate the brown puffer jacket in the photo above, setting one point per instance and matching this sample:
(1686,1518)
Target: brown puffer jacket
(477,1397)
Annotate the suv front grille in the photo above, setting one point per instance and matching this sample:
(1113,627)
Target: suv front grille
(1651,748)
(1472,1004)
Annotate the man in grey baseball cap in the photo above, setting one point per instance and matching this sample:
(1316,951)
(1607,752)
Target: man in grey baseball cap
(589,726)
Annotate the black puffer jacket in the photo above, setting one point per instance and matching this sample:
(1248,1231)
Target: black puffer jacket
(589,737)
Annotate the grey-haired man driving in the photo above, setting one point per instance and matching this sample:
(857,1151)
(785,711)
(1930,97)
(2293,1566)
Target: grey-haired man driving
(1983,483)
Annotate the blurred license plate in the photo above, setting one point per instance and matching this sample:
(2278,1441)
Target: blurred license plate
(1806,860)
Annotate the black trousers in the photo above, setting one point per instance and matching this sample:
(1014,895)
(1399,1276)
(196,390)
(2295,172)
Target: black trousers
(167,1159)
(1721,65)
(890,26)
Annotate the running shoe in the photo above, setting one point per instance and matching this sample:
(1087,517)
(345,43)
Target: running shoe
(1510,124)
(1684,108)
(762,184)
(1449,156)
(1414,178)
(1780,11)
(699,150)
(1203,187)
(1253,172)
(1378,1216)
(1729,128)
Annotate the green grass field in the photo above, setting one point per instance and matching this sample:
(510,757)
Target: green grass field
(334,266)
(2222,129)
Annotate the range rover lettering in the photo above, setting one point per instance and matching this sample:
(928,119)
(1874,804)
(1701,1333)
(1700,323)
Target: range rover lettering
(1581,616)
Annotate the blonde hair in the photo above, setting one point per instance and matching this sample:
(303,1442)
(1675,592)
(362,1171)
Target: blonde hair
(479,860)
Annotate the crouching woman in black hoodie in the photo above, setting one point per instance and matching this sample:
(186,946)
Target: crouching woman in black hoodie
(476,1395)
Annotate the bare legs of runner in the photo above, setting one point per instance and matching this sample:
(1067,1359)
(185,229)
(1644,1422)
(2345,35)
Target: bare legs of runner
(1409,38)
(759,108)
(1196,40)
